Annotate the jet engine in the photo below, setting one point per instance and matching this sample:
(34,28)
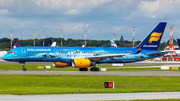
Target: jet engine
(60,64)
(81,63)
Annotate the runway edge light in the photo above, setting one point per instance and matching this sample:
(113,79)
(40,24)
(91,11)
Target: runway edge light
(109,84)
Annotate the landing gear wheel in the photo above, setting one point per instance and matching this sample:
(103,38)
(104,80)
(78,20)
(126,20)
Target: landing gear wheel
(94,69)
(24,69)
(23,66)
(97,69)
(83,69)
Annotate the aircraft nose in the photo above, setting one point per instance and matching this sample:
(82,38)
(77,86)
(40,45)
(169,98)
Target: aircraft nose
(6,57)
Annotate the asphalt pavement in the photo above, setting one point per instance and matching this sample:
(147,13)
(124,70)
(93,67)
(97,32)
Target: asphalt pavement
(90,97)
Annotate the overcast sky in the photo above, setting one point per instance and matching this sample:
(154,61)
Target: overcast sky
(101,18)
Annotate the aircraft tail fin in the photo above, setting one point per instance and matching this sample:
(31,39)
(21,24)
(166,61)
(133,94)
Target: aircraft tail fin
(53,44)
(171,46)
(15,45)
(152,40)
(178,40)
(113,45)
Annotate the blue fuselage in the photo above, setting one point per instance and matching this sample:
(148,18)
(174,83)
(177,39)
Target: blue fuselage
(65,54)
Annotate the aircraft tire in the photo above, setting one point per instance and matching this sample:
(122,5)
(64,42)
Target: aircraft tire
(97,69)
(85,69)
(24,69)
(93,69)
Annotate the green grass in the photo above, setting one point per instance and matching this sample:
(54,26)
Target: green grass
(134,69)
(38,84)
(109,67)
(31,67)
(152,100)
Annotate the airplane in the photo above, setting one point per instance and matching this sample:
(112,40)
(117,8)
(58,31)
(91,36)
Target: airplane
(15,45)
(176,49)
(113,44)
(178,40)
(53,44)
(2,53)
(83,57)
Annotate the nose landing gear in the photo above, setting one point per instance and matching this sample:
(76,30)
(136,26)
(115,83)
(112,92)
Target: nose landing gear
(23,66)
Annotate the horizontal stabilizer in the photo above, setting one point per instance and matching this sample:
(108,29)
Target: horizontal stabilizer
(162,52)
(139,50)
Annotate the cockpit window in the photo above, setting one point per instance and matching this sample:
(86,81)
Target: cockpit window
(12,52)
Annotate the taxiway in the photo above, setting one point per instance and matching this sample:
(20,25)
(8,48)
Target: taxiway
(90,97)
(107,73)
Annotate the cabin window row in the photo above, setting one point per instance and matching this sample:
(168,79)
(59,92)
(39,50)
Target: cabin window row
(88,53)
(80,52)
(38,52)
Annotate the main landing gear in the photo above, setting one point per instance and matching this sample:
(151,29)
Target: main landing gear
(86,69)
(23,67)
(94,67)
(83,69)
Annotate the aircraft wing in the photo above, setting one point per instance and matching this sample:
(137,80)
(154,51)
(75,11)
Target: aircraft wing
(102,57)
(162,52)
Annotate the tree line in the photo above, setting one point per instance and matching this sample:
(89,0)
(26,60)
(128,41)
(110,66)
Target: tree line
(5,43)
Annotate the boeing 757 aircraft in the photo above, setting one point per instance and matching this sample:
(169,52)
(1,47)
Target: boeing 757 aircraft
(83,57)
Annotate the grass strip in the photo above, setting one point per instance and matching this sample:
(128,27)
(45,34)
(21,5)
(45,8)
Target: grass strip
(109,67)
(60,84)
(152,100)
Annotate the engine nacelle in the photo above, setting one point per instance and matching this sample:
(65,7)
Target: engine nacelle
(61,64)
(81,63)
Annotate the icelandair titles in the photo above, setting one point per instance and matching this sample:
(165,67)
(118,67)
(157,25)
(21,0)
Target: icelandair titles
(149,45)
(32,49)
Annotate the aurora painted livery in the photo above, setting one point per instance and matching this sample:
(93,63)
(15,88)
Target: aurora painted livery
(83,57)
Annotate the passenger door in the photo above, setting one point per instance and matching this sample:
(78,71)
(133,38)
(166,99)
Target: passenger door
(56,52)
(23,51)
